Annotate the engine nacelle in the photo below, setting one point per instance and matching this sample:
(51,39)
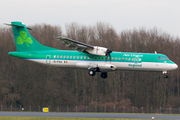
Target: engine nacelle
(98,51)
(106,67)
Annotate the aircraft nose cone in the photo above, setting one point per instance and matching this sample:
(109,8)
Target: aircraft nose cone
(174,66)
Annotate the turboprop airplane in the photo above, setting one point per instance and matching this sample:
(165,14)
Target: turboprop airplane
(88,57)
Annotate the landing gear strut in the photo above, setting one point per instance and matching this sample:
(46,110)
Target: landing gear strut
(165,73)
(104,74)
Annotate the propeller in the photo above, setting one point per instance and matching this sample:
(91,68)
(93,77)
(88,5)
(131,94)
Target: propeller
(108,54)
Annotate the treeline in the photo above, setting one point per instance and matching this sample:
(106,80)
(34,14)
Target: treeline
(26,83)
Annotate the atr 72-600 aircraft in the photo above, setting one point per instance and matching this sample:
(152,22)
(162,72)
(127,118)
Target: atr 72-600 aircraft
(88,57)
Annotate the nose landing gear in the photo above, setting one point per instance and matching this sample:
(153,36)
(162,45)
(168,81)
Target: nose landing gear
(165,73)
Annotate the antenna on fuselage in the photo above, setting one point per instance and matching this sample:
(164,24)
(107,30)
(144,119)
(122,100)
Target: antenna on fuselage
(155,52)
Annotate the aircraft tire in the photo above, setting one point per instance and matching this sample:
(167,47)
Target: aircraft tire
(165,76)
(92,72)
(104,74)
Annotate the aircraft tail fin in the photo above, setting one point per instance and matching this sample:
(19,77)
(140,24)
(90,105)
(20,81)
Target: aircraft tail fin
(24,41)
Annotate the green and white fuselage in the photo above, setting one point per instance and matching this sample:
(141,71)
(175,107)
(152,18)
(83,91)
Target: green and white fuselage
(28,48)
(121,60)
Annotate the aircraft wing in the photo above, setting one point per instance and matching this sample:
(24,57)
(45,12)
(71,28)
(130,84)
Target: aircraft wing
(82,47)
(79,46)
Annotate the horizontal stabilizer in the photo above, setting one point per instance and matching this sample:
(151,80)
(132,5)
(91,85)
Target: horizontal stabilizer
(17,26)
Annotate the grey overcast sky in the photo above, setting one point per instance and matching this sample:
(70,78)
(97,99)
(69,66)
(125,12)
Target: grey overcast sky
(121,14)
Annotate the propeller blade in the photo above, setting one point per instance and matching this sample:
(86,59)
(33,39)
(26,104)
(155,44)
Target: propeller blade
(108,54)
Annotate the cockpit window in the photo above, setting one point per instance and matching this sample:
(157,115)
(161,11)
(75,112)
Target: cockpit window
(163,58)
(166,58)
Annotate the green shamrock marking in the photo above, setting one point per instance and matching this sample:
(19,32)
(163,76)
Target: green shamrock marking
(23,38)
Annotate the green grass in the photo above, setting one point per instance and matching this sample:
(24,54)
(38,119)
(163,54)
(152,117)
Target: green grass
(99,113)
(61,118)
(69,118)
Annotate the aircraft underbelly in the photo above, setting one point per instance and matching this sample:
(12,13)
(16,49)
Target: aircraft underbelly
(143,66)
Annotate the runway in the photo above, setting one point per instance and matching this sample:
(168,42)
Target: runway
(88,115)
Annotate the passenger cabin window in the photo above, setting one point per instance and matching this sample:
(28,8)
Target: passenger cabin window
(81,57)
(112,58)
(61,56)
(129,59)
(67,56)
(64,56)
(102,58)
(116,58)
(84,57)
(125,58)
(58,56)
(77,57)
(132,59)
(88,58)
(122,58)
(74,57)
(54,56)
(119,58)
(139,59)
(70,57)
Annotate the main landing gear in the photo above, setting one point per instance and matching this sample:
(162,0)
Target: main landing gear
(93,72)
(165,73)
(104,74)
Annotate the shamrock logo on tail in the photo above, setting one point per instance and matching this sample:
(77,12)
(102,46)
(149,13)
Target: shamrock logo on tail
(23,38)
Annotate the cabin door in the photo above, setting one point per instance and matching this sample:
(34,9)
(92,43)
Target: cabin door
(48,59)
(136,60)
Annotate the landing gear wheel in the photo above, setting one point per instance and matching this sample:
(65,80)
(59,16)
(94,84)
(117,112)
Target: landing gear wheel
(165,76)
(104,74)
(165,73)
(92,72)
